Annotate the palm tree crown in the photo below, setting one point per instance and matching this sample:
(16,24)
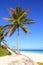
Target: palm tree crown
(18,19)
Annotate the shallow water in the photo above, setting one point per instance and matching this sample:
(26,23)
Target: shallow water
(33,51)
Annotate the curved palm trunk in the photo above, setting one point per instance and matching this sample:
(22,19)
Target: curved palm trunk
(18,41)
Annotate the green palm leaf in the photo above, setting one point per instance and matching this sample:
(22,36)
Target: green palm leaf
(3,28)
(28,21)
(1,38)
(25,29)
(6,27)
(19,11)
(14,13)
(1,34)
(11,30)
(24,14)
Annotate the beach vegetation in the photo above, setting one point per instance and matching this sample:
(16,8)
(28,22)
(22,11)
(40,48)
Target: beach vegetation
(40,63)
(3,51)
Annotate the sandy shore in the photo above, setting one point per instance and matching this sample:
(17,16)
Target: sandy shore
(33,56)
(5,60)
(37,57)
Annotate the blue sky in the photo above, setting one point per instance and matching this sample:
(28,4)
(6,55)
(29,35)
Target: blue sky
(29,41)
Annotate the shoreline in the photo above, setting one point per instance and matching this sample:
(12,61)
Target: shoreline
(37,57)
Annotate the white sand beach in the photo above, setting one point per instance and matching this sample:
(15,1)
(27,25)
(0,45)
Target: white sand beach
(37,57)
(33,56)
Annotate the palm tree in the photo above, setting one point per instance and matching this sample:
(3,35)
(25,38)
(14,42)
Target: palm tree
(3,34)
(18,19)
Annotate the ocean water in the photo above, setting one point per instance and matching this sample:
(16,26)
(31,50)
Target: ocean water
(33,51)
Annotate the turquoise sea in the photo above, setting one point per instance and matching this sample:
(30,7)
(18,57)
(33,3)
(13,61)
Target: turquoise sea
(33,51)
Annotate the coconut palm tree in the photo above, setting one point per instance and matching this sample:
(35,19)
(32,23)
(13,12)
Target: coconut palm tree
(3,34)
(18,19)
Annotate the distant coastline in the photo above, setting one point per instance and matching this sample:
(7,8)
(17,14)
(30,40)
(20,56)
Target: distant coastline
(28,49)
(31,50)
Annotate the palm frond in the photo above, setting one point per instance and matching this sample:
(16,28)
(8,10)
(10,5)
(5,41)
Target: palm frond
(1,31)
(24,14)
(28,21)
(25,29)
(6,27)
(1,38)
(19,11)
(11,30)
(8,19)
(14,13)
